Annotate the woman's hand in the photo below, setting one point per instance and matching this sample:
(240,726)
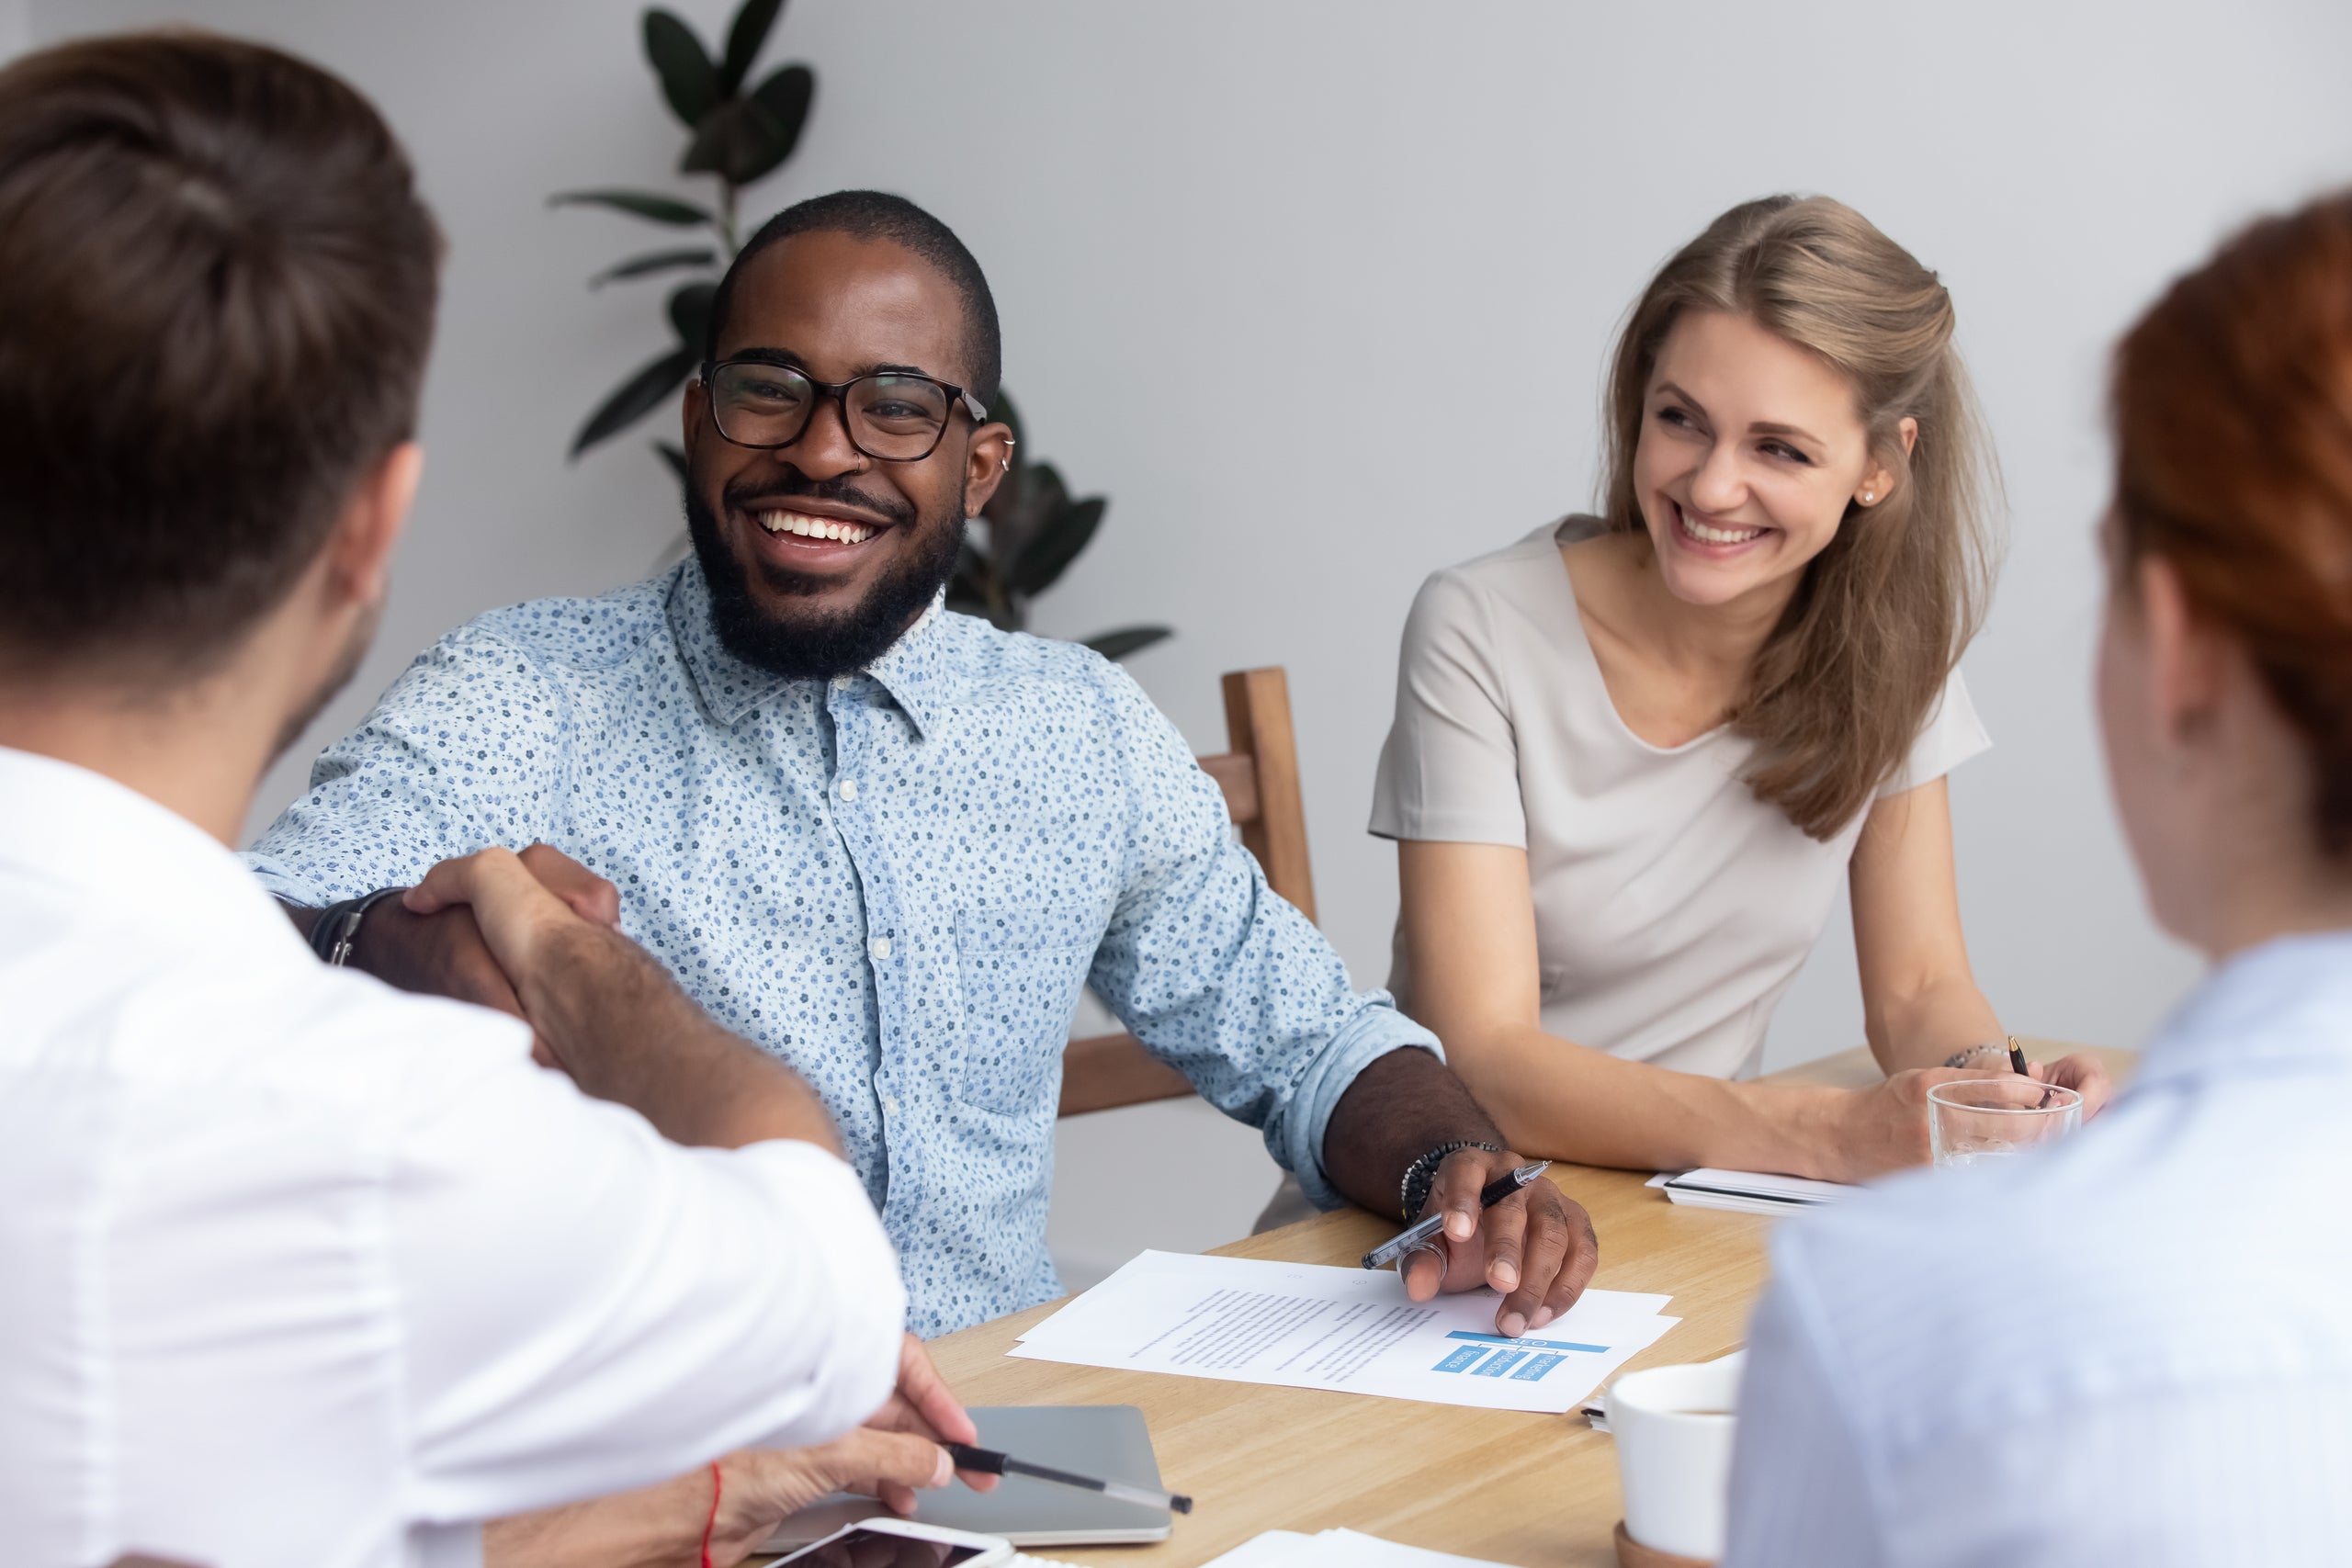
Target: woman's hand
(1884,1128)
(2085,1074)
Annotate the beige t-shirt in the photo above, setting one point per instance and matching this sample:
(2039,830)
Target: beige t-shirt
(1672,907)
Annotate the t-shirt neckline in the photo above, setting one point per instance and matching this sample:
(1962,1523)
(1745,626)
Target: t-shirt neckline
(1573,528)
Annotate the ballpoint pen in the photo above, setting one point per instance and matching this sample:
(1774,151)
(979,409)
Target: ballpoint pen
(989,1461)
(2017,1060)
(1494,1193)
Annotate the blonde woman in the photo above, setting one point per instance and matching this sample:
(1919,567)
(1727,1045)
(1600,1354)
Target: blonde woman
(1634,754)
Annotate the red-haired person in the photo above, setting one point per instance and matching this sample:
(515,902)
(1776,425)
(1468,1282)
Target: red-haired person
(2135,1346)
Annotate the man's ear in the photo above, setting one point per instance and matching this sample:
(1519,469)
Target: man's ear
(986,463)
(359,556)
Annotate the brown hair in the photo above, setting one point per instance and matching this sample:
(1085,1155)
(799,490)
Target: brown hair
(1847,680)
(217,287)
(2232,408)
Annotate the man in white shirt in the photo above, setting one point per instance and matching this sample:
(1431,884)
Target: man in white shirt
(296,1268)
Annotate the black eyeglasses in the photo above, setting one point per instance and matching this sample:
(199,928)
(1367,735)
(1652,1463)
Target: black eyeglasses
(895,416)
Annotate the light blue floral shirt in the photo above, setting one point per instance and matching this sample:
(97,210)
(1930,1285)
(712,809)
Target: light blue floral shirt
(898,881)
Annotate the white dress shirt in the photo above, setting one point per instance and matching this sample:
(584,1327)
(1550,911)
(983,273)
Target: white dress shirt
(2134,1348)
(298,1270)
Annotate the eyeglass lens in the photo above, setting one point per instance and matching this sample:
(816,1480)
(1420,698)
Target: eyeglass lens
(891,415)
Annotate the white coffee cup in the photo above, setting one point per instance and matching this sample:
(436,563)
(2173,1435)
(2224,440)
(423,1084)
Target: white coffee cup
(1673,1426)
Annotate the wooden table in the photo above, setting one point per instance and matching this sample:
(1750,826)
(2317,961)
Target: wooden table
(1515,1488)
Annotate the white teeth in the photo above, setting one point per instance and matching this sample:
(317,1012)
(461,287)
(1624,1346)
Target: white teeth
(1705,535)
(809,527)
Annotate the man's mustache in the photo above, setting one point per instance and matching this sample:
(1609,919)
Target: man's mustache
(791,486)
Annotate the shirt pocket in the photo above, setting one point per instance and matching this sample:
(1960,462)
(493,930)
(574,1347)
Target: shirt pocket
(1022,969)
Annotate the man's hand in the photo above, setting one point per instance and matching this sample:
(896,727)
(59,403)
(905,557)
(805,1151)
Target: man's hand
(516,901)
(443,953)
(1535,1245)
(923,1406)
(597,1001)
(762,1486)
(757,1489)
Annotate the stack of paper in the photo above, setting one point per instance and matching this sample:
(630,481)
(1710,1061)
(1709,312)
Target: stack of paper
(1748,1192)
(1338,1548)
(1243,1320)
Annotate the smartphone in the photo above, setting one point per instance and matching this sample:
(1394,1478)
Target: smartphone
(901,1543)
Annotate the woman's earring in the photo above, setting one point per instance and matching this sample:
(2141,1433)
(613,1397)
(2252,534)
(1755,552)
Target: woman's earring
(1868,498)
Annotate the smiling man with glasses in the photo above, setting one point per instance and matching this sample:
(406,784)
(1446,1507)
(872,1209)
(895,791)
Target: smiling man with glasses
(891,844)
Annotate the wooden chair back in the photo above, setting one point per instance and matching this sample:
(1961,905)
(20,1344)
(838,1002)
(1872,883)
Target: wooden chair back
(1258,777)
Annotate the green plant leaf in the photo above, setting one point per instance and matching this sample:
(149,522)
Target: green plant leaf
(785,95)
(638,204)
(655,261)
(753,20)
(1128,639)
(738,141)
(1047,555)
(689,80)
(690,313)
(637,396)
(676,457)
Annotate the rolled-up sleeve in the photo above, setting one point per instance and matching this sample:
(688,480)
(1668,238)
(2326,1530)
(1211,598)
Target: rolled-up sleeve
(1218,975)
(466,749)
(588,1306)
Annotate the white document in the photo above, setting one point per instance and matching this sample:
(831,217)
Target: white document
(1748,1192)
(1305,1326)
(1338,1548)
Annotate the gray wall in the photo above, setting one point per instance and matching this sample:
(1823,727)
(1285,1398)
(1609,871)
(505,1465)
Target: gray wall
(1252,260)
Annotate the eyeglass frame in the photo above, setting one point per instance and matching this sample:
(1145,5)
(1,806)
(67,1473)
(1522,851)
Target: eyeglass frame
(838,392)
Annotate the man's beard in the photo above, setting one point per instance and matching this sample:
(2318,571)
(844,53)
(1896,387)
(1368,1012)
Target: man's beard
(819,645)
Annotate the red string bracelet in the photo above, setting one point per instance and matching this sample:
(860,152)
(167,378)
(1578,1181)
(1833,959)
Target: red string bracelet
(711,1523)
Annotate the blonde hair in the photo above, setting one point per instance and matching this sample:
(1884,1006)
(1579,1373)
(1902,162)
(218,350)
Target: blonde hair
(1843,685)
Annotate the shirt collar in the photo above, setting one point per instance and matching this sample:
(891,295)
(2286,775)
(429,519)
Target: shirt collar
(916,671)
(72,828)
(2286,1001)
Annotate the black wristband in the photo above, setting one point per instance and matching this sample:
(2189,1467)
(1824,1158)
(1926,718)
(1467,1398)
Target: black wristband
(337,927)
(1421,1175)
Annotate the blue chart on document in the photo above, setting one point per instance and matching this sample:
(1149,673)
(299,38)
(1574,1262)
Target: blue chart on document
(1308,1325)
(1526,1360)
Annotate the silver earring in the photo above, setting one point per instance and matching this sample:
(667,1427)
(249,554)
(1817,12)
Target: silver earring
(1868,498)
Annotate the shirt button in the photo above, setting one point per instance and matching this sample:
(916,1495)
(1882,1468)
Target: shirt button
(880,947)
(890,1105)
(849,789)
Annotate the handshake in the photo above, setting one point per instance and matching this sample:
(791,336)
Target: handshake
(538,935)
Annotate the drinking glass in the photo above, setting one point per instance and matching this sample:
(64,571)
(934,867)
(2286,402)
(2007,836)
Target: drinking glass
(1974,1119)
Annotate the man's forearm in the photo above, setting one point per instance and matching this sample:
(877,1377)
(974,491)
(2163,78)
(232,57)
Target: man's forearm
(626,1032)
(302,915)
(1400,1106)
